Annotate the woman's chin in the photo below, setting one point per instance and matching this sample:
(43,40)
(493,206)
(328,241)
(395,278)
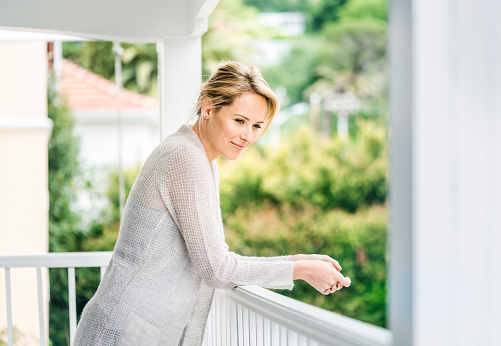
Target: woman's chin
(232,157)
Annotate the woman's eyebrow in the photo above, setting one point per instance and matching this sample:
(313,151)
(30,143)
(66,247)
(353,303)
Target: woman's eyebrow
(240,115)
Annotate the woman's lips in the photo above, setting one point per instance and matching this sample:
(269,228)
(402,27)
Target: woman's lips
(239,147)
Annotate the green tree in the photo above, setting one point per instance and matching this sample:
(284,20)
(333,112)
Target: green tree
(320,13)
(352,57)
(140,68)
(297,71)
(278,5)
(64,231)
(317,197)
(232,27)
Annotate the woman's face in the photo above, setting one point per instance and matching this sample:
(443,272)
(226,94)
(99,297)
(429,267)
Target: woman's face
(231,129)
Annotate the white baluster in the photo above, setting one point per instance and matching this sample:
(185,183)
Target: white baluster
(252,328)
(222,302)
(303,340)
(267,332)
(234,323)
(259,330)
(245,323)
(41,318)
(283,336)
(73,303)
(240,322)
(218,320)
(103,270)
(292,338)
(10,336)
(275,334)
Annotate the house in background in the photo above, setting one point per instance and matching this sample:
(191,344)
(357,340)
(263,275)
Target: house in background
(93,101)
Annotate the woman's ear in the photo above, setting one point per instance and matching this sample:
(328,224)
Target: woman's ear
(206,108)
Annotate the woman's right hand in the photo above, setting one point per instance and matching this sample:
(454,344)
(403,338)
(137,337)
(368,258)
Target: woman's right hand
(323,276)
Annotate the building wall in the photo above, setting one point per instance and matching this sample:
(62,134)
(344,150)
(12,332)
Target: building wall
(24,134)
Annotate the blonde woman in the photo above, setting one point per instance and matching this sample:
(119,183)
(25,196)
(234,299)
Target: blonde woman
(171,253)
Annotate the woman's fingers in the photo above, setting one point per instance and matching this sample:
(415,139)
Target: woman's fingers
(325,258)
(346,282)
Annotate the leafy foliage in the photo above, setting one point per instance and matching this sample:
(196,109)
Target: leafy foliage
(323,12)
(317,197)
(232,27)
(64,232)
(278,5)
(328,174)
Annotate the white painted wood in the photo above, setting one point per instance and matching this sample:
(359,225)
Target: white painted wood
(8,303)
(446,164)
(284,340)
(246,324)
(41,318)
(315,323)
(259,330)
(126,21)
(252,328)
(218,319)
(400,182)
(57,260)
(240,324)
(250,315)
(292,338)
(224,319)
(26,123)
(234,323)
(267,332)
(180,78)
(72,300)
(102,271)
(275,334)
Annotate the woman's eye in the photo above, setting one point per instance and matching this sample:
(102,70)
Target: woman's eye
(257,126)
(240,121)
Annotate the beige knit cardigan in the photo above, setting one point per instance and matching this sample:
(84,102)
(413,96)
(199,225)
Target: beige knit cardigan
(170,255)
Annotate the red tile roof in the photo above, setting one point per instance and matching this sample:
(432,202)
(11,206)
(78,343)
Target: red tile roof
(86,91)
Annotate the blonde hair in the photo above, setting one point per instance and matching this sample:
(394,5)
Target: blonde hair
(232,79)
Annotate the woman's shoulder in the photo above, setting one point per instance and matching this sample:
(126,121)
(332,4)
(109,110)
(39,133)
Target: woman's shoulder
(182,148)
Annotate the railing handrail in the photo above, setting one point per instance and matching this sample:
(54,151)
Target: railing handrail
(57,260)
(320,324)
(69,260)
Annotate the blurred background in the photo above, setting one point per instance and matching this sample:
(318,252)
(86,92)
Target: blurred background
(315,183)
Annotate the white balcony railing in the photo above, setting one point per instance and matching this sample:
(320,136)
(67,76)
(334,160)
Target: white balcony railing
(245,316)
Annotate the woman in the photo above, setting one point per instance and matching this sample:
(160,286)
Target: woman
(171,253)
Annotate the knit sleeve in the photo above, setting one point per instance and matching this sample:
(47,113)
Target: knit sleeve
(188,191)
(260,258)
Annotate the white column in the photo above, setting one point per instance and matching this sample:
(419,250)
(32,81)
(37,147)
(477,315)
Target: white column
(180,77)
(445,176)
(24,135)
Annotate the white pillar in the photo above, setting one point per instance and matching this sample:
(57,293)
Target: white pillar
(180,77)
(24,135)
(445,175)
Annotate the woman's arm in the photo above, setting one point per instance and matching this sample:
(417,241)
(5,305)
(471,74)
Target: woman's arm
(187,189)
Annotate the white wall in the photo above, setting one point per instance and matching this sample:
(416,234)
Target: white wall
(24,135)
(99,138)
(445,61)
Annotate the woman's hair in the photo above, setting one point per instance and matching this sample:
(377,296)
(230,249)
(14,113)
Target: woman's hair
(232,79)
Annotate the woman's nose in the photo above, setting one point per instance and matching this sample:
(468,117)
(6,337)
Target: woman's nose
(246,133)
